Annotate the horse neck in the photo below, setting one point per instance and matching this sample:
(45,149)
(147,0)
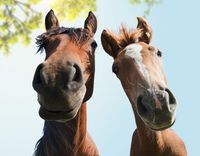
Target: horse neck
(63,138)
(146,136)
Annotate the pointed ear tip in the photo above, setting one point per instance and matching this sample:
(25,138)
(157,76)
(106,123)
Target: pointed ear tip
(51,11)
(91,13)
(104,31)
(139,18)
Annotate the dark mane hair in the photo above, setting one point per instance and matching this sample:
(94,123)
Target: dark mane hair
(53,141)
(77,35)
(127,37)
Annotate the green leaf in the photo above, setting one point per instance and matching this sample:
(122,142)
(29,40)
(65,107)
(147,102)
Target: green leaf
(73,8)
(14,28)
(147,3)
(34,1)
(135,2)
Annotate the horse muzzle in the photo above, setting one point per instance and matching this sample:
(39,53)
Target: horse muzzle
(60,90)
(157,108)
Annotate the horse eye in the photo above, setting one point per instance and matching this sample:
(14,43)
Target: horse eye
(115,69)
(94,44)
(159,53)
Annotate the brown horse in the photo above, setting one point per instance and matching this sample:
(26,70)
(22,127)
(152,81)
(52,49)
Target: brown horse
(64,82)
(138,66)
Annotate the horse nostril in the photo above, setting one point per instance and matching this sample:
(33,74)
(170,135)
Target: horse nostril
(78,74)
(141,107)
(50,76)
(172,99)
(39,77)
(161,88)
(75,77)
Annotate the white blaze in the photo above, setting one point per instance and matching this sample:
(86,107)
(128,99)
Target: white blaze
(134,51)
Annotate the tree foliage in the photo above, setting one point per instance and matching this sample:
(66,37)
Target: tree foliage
(71,9)
(17,20)
(149,4)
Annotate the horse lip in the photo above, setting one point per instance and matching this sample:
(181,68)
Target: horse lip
(52,111)
(50,115)
(162,128)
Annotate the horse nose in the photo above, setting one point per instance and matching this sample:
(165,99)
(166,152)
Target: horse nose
(69,76)
(157,108)
(154,101)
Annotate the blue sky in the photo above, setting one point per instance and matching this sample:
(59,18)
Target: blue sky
(110,118)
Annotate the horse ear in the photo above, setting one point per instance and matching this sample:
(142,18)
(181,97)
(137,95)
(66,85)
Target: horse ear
(51,20)
(91,22)
(143,25)
(110,44)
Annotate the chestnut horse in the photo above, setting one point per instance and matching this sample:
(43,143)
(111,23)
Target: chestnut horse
(64,82)
(138,66)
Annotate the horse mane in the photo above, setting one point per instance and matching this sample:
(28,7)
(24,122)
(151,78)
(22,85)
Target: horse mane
(77,35)
(53,141)
(127,36)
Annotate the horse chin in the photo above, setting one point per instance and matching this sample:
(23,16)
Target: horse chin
(61,109)
(156,126)
(162,127)
(60,116)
